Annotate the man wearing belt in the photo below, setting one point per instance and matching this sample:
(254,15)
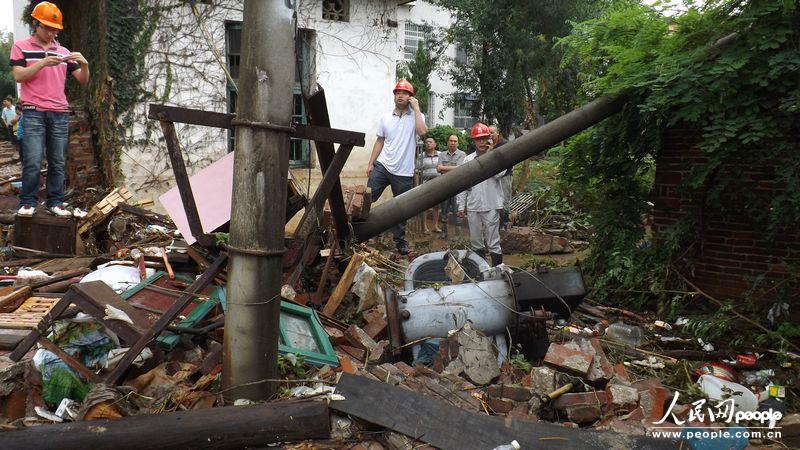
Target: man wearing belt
(392,159)
(481,202)
(40,64)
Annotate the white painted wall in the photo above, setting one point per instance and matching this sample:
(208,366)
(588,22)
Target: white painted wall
(421,12)
(354,62)
(20,30)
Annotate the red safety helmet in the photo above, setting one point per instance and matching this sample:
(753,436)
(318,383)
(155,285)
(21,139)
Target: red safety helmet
(479,130)
(48,14)
(404,85)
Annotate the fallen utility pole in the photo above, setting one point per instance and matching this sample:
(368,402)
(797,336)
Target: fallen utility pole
(258,211)
(229,427)
(441,188)
(432,193)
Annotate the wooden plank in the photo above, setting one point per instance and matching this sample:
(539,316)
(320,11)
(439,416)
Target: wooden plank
(94,296)
(69,360)
(9,339)
(182,180)
(42,326)
(318,115)
(164,320)
(10,302)
(232,427)
(344,284)
(448,427)
(221,120)
(28,314)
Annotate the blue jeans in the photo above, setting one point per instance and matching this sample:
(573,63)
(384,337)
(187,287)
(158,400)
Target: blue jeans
(45,132)
(380,179)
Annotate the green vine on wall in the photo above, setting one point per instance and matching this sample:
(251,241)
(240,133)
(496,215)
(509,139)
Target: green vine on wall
(115,36)
(742,97)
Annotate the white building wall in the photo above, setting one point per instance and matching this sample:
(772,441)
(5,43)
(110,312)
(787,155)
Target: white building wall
(420,12)
(354,62)
(19,28)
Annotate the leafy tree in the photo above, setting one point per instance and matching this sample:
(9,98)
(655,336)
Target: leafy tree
(7,85)
(419,70)
(511,64)
(441,132)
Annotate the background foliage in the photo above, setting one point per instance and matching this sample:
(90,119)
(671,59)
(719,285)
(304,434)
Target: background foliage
(742,96)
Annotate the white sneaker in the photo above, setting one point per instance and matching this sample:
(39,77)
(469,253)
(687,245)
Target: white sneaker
(59,211)
(26,211)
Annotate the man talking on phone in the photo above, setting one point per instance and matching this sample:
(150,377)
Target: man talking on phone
(41,65)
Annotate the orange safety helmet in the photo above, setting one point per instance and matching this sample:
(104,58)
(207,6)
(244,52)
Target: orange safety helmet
(48,14)
(404,85)
(479,130)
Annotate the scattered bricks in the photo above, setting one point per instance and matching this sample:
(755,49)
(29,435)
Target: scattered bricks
(406,369)
(635,415)
(652,402)
(335,335)
(647,383)
(522,411)
(356,353)
(359,339)
(376,329)
(583,414)
(621,396)
(621,373)
(543,380)
(495,390)
(347,365)
(568,359)
(387,373)
(516,393)
(377,353)
(620,425)
(601,368)
(499,405)
(595,398)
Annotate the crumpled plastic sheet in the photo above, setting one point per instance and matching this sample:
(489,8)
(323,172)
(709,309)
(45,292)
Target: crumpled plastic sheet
(84,341)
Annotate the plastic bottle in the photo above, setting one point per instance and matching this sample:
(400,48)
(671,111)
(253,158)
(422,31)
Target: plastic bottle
(514,445)
(627,334)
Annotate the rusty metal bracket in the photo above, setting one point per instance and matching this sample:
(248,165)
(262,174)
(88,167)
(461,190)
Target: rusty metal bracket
(264,125)
(252,252)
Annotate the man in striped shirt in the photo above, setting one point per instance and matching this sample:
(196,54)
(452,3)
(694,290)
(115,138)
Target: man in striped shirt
(41,65)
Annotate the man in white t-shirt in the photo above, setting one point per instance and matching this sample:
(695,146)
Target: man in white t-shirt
(392,159)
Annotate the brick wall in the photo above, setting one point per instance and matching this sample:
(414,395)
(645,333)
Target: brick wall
(82,170)
(725,250)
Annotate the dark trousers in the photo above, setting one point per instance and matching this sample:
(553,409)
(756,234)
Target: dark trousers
(380,179)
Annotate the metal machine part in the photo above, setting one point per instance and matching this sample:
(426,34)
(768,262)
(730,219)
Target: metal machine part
(430,267)
(496,301)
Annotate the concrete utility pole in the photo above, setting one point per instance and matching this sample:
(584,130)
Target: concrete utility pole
(266,78)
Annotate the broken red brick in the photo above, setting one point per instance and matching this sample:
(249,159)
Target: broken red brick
(522,411)
(568,359)
(358,338)
(583,414)
(621,373)
(601,368)
(406,369)
(347,365)
(595,398)
(377,352)
(376,328)
(621,396)
(500,406)
(335,335)
(356,353)
(516,393)
(652,402)
(647,383)
(542,380)
(635,415)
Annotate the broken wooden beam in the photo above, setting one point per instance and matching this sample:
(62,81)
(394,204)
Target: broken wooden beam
(223,120)
(449,427)
(344,284)
(229,427)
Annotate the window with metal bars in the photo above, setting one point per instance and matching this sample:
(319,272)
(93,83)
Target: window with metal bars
(298,148)
(336,10)
(413,34)
(462,113)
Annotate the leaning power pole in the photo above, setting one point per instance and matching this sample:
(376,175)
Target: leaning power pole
(263,119)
